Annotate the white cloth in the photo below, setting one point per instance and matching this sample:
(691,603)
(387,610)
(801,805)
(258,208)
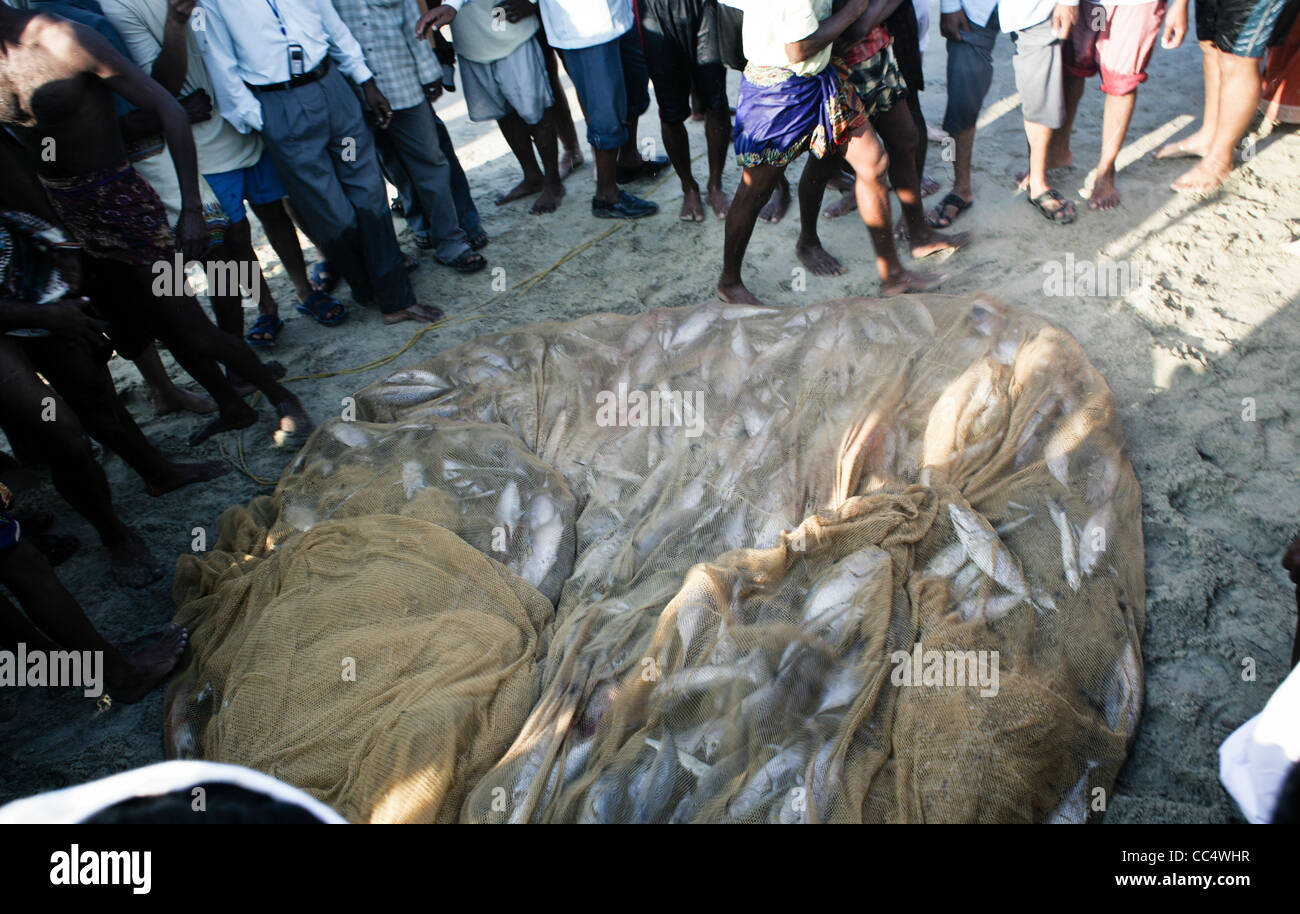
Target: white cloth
(479,38)
(1014,15)
(242,43)
(585,23)
(76,804)
(977,11)
(141,24)
(770,25)
(922,10)
(1255,759)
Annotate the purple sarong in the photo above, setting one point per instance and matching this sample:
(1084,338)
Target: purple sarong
(780,115)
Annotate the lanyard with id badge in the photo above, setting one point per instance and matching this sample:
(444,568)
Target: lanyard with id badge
(297,56)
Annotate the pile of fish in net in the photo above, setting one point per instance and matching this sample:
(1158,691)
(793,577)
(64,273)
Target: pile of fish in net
(863,561)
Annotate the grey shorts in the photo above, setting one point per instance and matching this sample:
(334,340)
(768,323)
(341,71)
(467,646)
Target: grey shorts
(970,73)
(516,83)
(1039,63)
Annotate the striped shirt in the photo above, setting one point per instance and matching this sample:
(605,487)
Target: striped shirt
(403,65)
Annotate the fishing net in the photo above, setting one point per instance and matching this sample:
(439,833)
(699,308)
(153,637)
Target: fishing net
(866,560)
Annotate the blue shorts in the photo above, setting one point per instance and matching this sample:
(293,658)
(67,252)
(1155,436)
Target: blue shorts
(258,183)
(613,86)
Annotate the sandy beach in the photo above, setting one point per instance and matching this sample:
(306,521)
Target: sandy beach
(1198,345)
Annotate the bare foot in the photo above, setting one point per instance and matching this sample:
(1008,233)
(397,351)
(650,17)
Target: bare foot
(570,161)
(847,203)
(1104,195)
(929,186)
(817,259)
(133,564)
(692,206)
(136,677)
(718,201)
(179,399)
(777,204)
(737,294)
(1206,176)
(184,474)
(549,199)
(525,188)
(244,388)
(426,313)
(1194,146)
(907,281)
(295,424)
(237,419)
(927,241)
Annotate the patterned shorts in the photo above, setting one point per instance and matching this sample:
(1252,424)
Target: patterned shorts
(879,82)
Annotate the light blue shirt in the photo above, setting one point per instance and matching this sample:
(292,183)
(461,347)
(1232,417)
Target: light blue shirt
(977,11)
(242,43)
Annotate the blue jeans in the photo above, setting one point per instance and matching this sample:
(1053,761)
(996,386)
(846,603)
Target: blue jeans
(613,86)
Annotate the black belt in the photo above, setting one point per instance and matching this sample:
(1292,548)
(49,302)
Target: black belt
(309,77)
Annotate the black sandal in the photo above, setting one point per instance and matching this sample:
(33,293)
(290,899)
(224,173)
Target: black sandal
(469,262)
(1061,215)
(938,219)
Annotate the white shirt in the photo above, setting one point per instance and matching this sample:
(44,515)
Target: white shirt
(141,24)
(1256,759)
(770,25)
(585,23)
(1014,15)
(482,35)
(977,11)
(242,43)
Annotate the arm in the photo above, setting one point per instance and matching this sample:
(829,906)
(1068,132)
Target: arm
(876,13)
(65,317)
(169,67)
(91,53)
(1175,29)
(428,69)
(827,31)
(236,101)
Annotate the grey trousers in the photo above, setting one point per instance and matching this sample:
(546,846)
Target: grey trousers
(412,139)
(326,158)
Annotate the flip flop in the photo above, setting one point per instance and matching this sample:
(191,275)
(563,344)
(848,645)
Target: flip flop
(468,262)
(1061,215)
(937,219)
(318,306)
(266,323)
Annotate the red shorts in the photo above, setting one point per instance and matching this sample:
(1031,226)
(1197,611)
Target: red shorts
(1115,40)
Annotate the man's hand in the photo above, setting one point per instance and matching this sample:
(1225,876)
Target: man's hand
(191,234)
(1063,20)
(179,10)
(1175,25)
(198,106)
(434,19)
(433,90)
(951,25)
(378,104)
(68,317)
(517,10)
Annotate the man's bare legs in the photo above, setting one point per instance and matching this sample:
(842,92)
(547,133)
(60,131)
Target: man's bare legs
(717,133)
(82,378)
(898,130)
(51,619)
(545,180)
(1239,90)
(777,203)
(756,183)
(278,224)
(812,189)
(1199,142)
(562,116)
(963,150)
(866,156)
(1035,181)
(164,394)
(1116,117)
(45,424)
